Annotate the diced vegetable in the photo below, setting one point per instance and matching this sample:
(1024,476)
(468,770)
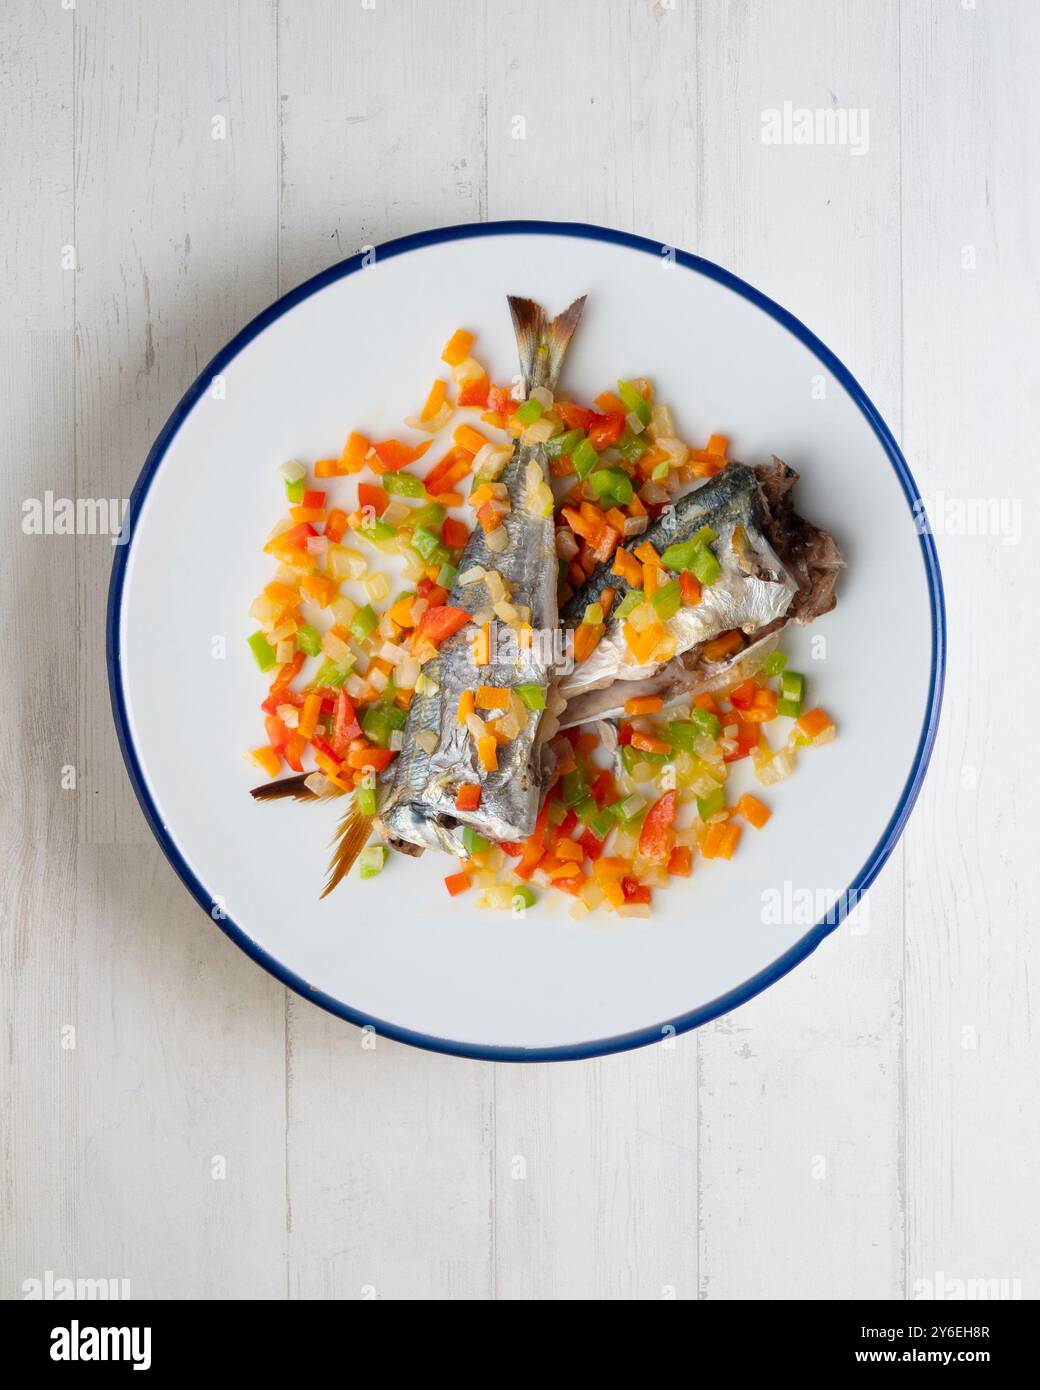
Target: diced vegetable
(632,400)
(712,804)
(371,860)
(532,695)
(774,664)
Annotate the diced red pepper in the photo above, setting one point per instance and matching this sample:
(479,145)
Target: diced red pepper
(655,838)
(513,848)
(372,495)
(468,797)
(345,726)
(606,430)
(602,788)
(457,883)
(475,392)
(500,398)
(634,891)
(293,751)
(439,622)
(454,533)
(313,499)
(591,843)
(743,697)
(575,417)
(568,823)
(393,455)
(336,525)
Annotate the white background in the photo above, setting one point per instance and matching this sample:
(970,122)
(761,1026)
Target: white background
(869,1122)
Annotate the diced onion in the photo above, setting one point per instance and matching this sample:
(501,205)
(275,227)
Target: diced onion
(634,526)
(543,395)
(634,423)
(497,540)
(427,741)
(292,471)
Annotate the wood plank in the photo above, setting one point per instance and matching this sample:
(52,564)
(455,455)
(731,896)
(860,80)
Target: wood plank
(388,1149)
(800,1103)
(39,735)
(971,277)
(608,1206)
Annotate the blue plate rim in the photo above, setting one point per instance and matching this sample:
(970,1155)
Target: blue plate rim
(879,855)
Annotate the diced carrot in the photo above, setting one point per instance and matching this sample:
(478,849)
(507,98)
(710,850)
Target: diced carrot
(651,579)
(717,445)
(646,552)
(614,893)
(729,839)
(467,706)
(467,797)
(352,459)
(267,760)
(726,644)
(705,700)
(282,594)
(457,348)
(319,588)
(568,849)
(689,589)
(336,525)
(627,567)
(487,752)
(643,644)
(308,514)
(457,883)
(586,638)
(763,709)
(393,455)
(434,400)
(327,468)
(609,403)
(612,866)
(814,722)
(585,743)
(753,810)
(309,714)
(680,862)
(636,507)
(492,697)
(648,743)
(466,437)
(644,704)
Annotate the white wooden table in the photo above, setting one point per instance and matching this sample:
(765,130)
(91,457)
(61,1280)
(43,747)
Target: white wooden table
(170,1114)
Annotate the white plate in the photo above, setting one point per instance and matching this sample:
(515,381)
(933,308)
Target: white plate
(356,348)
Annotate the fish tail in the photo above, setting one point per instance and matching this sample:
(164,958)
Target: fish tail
(349,841)
(542,342)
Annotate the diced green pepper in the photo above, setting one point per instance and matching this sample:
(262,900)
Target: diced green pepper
(308,639)
(332,674)
(667,599)
(705,566)
(593,615)
(263,651)
(712,804)
(574,788)
(431,517)
(371,860)
(294,491)
(446,576)
(705,536)
(792,686)
(632,599)
(681,735)
(366,799)
(659,471)
(584,458)
(706,722)
(611,485)
(403,485)
(425,543)
(376,531)
(533,696)
(564,443)
(631,446)
(774,664)
(529,412)
(601,823)
(473,842)
(365,621)
(523,897)
(633,401)
(792,708)
(586,809)
(679,556)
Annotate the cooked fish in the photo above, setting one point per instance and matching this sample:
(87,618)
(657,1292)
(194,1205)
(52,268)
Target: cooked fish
(418,802)
(777,568)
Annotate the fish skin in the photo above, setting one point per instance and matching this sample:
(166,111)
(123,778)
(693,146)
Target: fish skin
(810,559)
(748,596)
(417,804)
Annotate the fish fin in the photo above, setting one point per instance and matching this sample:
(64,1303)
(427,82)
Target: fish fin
(349,841)
(542,342)
(296,787)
